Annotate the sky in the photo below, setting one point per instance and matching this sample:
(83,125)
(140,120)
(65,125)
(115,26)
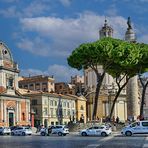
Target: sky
(41,34)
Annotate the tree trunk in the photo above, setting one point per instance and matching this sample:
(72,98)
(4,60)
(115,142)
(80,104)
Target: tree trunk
(120,88)
(143,99)
(99,83)
(114,102)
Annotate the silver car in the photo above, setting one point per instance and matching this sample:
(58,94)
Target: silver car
(61,130)
(21,131)
(5,131)
(96,131)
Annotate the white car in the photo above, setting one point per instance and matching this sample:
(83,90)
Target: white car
(21,131)
(96,131)
(61,130)
(139,127)
(5,131)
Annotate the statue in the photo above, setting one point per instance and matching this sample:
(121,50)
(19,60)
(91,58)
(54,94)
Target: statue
(129,23)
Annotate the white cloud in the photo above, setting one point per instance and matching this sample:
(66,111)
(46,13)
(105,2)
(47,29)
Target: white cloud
(9,1)
(66,34)
(61,73)
(10,12)
(65,2)
(143,39)
(36,45)
(34,8)
(112,11)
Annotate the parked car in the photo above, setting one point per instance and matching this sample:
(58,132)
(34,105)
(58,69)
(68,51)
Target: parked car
(5,131)
(13,127)
(21,131)
(61,130)
(96,131)
(139,127)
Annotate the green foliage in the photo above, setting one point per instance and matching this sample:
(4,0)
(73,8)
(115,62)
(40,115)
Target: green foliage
(116,56)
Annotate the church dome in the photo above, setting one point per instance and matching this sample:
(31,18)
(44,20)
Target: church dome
(6,59)
(106,31)
(5,53)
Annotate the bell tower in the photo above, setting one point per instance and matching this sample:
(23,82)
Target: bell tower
(106,31)
(8,69)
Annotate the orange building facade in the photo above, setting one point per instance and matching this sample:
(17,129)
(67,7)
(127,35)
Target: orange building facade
(14,107)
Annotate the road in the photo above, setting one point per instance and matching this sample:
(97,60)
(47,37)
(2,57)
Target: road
(73,141)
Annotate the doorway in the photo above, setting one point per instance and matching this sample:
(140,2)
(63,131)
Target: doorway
(11,119)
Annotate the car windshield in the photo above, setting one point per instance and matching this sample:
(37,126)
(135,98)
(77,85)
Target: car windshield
(133,124)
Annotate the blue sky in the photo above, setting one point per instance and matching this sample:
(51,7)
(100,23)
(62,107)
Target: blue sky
(42,33)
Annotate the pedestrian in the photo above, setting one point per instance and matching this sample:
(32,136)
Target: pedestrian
(117,119)
(113,119)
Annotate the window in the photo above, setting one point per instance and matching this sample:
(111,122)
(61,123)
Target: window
(96,127)
(134,124)
(91,128)
(44,86)
(37,85)
(64,104)
(68,104)
(20,86)
(73,104)
(25,86)
(45,111)
(55,103)
(10,83)
(34,102)
(144,123)
(68,112)
(51,102)
(51,112)
(52,123)
(31,86)
(64,112)
(81,108)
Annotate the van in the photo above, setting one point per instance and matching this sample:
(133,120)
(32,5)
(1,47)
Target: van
(139,127)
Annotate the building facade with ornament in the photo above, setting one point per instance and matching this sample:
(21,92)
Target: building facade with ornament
(14,107)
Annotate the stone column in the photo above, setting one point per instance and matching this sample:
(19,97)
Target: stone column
(2,109)
(17,112)
(132,86)
(133,108)
(5,112)
(20,113)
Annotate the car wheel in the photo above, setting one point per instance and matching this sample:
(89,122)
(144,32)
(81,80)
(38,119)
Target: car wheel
(60,134)
(64,134)
(128,133)
(84,134)
(23,134)
(43,133)
(103,134)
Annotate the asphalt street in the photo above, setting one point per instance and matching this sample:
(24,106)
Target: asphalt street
(74,141)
